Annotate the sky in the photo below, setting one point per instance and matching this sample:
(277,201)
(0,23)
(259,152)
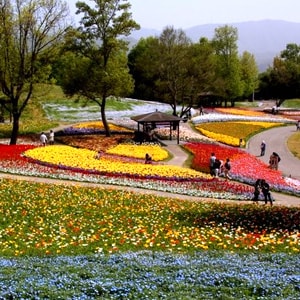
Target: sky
(182,14)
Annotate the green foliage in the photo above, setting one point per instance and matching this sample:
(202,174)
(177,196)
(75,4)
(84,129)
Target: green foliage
(249,73)
(281,81)
(142,60)
(228,83)
(172,69)
(95,62)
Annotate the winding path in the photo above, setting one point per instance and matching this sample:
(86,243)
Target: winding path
(276,141)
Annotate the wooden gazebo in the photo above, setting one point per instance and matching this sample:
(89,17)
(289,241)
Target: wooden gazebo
(150,121)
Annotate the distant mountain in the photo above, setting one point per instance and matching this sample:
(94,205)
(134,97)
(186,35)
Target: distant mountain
(265,39)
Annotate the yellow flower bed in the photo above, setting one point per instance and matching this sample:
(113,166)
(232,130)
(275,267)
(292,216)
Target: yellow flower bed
(261,124)
(223,138)
(86,159)
(139,151)
(230,133)
(99,126)
(238,111)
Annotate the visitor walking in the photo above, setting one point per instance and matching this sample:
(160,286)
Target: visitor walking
(201,110)
(265,188)
(262,148)
(43,139)
(257,190)
(274,160)
(241,143)
(51,137)
(216,167)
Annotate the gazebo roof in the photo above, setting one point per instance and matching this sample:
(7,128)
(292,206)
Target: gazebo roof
(156,116)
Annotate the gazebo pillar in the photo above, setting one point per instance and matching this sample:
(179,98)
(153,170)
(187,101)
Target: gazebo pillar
(178,133)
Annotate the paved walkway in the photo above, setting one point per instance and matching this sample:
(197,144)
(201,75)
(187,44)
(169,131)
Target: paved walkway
(276,139)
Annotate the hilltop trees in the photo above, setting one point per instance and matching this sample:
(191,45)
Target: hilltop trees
(174,70)
(95,67)
(29,33)
(282,80)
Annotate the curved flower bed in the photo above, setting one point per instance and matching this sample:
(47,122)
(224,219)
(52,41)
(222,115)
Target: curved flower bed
(64,156)
(239,111)
(245,167)
(185,135)
(93,128)
(215,117)
(139,150)
(121,168)
(230,133)
(12,161)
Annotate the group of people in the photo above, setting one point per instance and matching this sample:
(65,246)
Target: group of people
(218,168)
(261,186)
(44,139)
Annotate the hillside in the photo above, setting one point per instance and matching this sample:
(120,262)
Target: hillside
(265,39)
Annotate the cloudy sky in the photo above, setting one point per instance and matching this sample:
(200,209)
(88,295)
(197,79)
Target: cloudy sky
(157,14)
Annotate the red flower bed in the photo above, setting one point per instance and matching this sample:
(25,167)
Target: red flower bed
(243,165)
(13,152)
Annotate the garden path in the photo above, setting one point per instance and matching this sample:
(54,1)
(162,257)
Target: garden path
(276,140)
(276,136)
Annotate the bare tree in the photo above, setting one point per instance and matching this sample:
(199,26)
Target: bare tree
(29,33)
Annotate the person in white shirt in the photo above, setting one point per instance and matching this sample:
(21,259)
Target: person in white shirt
(43,139)
(51,137)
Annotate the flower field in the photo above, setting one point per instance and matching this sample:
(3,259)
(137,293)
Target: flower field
(85,243)
(230,133)
(75,242)
(59,219)
(153,275)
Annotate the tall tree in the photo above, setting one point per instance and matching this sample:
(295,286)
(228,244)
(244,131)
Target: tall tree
(201,69)
(172,66)
(143,64)
(29,33)
(228,84)
(100,53)
(249,74)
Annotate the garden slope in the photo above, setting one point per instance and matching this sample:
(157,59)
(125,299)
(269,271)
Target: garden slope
(180,156)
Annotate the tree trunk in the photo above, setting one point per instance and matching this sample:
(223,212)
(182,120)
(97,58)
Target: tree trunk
(103,116)
(15,129)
